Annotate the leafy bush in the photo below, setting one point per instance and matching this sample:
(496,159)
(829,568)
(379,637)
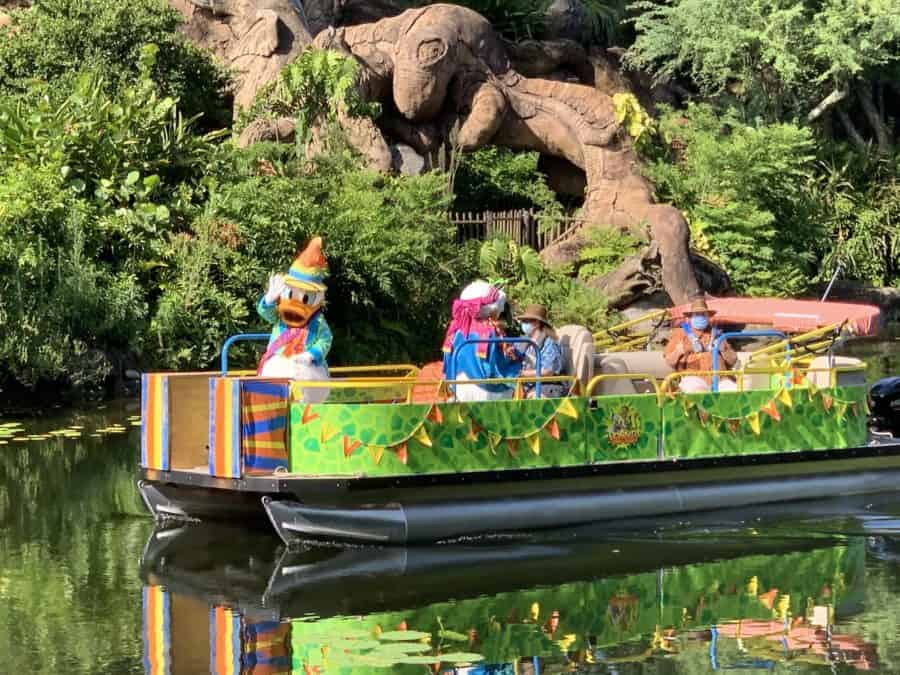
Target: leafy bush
(392,254)
(55,40)
(606,250)
(527,281)
(743,190)
(498,179)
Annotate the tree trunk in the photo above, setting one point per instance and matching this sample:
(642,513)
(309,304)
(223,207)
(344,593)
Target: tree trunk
(882,133)
(852,132)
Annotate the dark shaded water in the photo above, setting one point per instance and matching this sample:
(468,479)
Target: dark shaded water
(87,586)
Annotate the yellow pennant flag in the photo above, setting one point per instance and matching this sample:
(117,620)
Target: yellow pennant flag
(753,421)
(566,408)
(534,442)
(421,435)
(459,415)
(785,397)
(473,431)
(377,452)
(494,439)
(327,432)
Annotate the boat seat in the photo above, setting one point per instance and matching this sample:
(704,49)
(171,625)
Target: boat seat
(650,363)
(823,379)
(577,346)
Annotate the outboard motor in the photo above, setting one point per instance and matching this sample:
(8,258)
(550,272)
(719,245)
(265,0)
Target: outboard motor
(884,406)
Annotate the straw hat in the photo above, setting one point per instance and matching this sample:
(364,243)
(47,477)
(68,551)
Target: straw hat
(535,313)
(699,306)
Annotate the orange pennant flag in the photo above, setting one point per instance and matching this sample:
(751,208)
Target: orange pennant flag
(435,415)
(553,428)
(827,401)
(512,444)
(308,415)
(350,446)
(401,452)
(734,426)
(703,415)
(772,411)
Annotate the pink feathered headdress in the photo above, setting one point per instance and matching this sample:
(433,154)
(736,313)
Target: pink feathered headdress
(466,320)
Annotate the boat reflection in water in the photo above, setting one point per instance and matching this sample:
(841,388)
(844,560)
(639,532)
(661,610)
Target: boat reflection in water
(229,601)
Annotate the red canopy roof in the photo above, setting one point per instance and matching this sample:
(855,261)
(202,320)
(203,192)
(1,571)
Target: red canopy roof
(792,316)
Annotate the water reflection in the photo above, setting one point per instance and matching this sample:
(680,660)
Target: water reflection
(238,603)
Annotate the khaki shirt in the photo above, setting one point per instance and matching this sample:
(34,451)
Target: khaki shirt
(681,356)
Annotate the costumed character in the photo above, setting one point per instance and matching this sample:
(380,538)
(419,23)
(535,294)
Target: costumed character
(301,337)
(475,315)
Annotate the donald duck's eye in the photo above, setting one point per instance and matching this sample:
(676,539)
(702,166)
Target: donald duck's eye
(286,294)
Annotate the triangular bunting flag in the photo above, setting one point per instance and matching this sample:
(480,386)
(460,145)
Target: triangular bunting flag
(421,435)
(459,415)
(401,452)
(854,408)
(753,421)
(770,410)
(785,397)
(376,451)
(435,415)
(734,426)
(512,444)
(534,442)
(796,376)
(566,408)
(308,415)
(327,432)
(553,428)
(827,401)
(474,430)
(494,439)
(813,390)
(350,446)
(703,414)
(841,409)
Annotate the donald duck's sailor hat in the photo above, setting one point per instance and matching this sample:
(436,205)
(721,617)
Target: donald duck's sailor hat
(309,268)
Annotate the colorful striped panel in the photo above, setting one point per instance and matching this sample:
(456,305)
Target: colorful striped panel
(225,427)
(267,650)
(264,422)
(155,421)
(157,643)
(224,641)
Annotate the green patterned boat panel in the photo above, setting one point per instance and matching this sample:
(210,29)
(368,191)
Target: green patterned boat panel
(395,439)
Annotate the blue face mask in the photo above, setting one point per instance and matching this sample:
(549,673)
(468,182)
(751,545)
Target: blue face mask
(699,322)
(527,327)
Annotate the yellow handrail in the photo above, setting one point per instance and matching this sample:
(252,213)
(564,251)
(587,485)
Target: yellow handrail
(611,335)
(597,379)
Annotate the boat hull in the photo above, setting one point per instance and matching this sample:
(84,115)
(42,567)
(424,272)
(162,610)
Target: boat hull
(432,508)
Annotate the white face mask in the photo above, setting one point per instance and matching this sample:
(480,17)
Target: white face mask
(527,327)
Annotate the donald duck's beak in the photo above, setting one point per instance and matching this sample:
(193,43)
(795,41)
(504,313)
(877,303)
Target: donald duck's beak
(296,306)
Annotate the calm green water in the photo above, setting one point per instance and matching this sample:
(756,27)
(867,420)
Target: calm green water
(87,586)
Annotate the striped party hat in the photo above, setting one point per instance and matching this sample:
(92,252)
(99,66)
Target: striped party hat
(309,268)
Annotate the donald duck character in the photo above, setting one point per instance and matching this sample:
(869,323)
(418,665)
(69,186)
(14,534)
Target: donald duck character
(301,337)
(475,316)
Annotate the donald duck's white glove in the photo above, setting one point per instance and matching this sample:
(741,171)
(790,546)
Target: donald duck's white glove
(275,289)
(305,359)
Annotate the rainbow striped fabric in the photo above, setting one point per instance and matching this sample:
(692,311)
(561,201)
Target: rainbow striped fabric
(157,643)
(155,421)
(264,423)
(267,648)
(224,641)
(225,427)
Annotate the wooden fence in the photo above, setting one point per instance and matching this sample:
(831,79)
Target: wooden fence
(523,227)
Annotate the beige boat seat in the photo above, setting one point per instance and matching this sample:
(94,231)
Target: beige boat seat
(577,346)
(844,379)
(651,363)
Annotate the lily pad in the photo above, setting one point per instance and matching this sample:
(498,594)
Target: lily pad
(401,648)
(404,635)
(461,657)
(420,659)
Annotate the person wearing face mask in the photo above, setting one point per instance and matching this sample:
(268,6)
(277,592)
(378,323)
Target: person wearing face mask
(690,348)
(535,326)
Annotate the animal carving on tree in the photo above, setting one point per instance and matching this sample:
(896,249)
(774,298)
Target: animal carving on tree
(443,66)
(440,68)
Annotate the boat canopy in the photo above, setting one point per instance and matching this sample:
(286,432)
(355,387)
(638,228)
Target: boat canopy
(792,316)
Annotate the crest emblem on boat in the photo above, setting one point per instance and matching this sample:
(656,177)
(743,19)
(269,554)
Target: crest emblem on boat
(625,426)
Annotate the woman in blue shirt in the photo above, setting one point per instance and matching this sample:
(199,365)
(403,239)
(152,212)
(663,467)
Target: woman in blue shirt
(536,327)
